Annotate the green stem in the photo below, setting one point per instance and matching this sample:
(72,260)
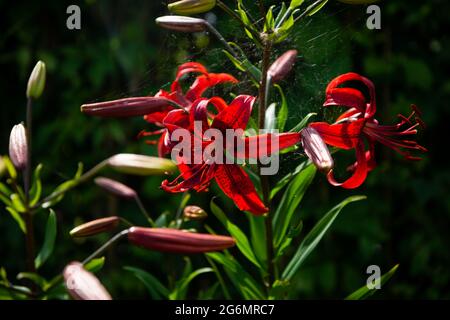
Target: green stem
(308,10)
(285,16)
(28,215)
(226,293)
(144,211)
(86,176)
(263,98)
(219,36)
(105,246)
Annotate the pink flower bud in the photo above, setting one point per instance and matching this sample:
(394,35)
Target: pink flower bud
(18,147)
(194,213)
(116,188)
(82,284)
(281,67)
(316,149)
(182,24)
(178,241)
(95,227)
(128,107)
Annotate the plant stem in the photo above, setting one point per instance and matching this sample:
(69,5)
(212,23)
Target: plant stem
(28,215)
(263,90)
(219,36)
(105,246)
(144,211)
(86,176)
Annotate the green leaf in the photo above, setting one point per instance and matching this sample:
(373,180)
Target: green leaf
(283,113)
(17,203)
(37,279)
(258,232)
(270,21)
(36,189)
(244,64)
(241,239)
(296,3)
(156,289)
(303,123)
(245,20)
(16,216)
(283,31)
(10,167)
(95,265)
(285,180)
(290,201)
(5,193)
(270,119)
(317,8)
(364,292)
(180,290)
(280,13)
(243,282)
(49,240)
(314,236)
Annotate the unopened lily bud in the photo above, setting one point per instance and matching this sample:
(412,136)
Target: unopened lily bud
(36,82)
(141,165)
(178,241)
(182,24)
(82,284)
(18,147)
(127,107)
(95,227)
(116,188)
(194,213)
(189,7)
(281,67)
(316,149)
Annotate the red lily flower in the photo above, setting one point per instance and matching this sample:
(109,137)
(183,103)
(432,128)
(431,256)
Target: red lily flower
(231,178)
(357,127)
(203,82)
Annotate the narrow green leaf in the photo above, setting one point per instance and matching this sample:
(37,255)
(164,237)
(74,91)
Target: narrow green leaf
(296,3)
(156,289)
(280,13)
(283,113)
(270,119)
(364,292)
(317,8)
(95,265)
(243,282)
(258,232)
(17,203)
(37,279)
(10,167)
(36,189)
(181,289)
(5,194)
(270,21)
(314,236)
(49,241)
(241,239)
(18,218)
(290,201)
(303,123)
(287,178)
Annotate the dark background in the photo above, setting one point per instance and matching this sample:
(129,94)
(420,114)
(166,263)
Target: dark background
(120,52)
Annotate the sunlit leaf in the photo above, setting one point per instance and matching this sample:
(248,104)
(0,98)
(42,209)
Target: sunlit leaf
(18,218)
(49,241)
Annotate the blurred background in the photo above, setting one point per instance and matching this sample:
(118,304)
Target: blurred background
(120,52)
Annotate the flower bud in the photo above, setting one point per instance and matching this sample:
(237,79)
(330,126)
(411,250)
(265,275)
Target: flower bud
(18,147)
(36,82)
(82,284)
(189,7)
(178,241)
(194,213)
(316,149)
(116,188)
(95,227)
(128,107)
(281,67)
(182,24)
(140,164)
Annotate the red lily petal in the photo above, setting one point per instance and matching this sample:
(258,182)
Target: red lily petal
(352,112)
(204,82)
(163,148)
(236,184)
(237,114)
(351,76)
(195,177)
(185,68)
(360,173)
(341,135)
(261,145)
(347,97)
